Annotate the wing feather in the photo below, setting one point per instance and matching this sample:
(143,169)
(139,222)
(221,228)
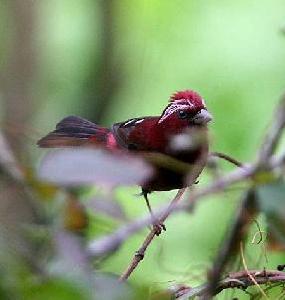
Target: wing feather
(74,131)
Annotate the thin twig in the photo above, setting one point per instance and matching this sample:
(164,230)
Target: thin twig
(227,158)
(248,273)
(268,146)
(111,242)
(141,252)
(259,232)
(231,241)
(240,279)
(273,134)
(191,178)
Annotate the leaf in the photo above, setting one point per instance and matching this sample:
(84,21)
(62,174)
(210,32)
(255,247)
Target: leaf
(75,215)
(55,288)
(70,259)
(107,207)
(44,190)
(271,200)
(86,166)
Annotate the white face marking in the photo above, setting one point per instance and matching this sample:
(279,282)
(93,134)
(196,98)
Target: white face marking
(129,122)
(139,121)
(133,121)
(172,108)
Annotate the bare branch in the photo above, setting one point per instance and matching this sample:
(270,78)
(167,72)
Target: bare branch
(141,252)
(237,231)
(227,158)
(273,134)
(111,242)
(230,246)
(241,279)
(249,274)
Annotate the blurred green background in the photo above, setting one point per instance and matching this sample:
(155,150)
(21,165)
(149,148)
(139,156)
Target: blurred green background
(113,60)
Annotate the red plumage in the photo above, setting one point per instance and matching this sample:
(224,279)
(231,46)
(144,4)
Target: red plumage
(188,95)
(186,110)
(147,136)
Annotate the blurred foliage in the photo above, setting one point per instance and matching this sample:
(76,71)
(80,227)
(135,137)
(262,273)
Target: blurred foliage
(274,211)
(112,60)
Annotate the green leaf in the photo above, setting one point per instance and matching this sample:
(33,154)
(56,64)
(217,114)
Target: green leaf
(271,200)
(53,289)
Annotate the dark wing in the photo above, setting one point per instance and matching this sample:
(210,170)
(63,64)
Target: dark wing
(131,134)
(74,131)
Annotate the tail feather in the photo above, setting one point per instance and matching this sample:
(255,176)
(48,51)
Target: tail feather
(74,131)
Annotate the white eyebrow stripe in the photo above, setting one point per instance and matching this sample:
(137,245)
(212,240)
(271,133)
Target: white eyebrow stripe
(171,109)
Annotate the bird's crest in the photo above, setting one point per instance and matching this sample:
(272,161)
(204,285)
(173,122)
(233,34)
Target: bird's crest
(183,100)
(187,97)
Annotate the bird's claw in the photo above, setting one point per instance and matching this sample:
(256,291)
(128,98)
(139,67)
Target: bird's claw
(158,226)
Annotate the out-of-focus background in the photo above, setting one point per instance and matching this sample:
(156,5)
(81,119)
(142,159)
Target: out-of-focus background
(113,60)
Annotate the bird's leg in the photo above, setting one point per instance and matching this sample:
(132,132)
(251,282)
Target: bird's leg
(157,224)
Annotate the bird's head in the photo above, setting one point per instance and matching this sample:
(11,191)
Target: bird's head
(186,108)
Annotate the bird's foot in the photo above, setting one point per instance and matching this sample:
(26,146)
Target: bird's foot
(158,227)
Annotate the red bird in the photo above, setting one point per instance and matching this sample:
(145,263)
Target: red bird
(185,111)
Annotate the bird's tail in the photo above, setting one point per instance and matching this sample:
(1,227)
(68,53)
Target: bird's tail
(74,131)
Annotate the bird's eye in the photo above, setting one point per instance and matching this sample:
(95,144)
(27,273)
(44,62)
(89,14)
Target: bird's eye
(182,114)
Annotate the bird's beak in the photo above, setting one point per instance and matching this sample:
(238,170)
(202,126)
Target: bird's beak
(202,117)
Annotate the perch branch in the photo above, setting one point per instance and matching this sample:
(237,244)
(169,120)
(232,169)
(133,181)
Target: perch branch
(111,242)
(141,252)
(241,279)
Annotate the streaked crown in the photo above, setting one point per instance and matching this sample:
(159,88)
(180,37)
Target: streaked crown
(189,97)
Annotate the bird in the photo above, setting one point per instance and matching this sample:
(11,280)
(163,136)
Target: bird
(186,113)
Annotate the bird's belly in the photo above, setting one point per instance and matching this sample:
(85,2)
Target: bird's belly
(166,179)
